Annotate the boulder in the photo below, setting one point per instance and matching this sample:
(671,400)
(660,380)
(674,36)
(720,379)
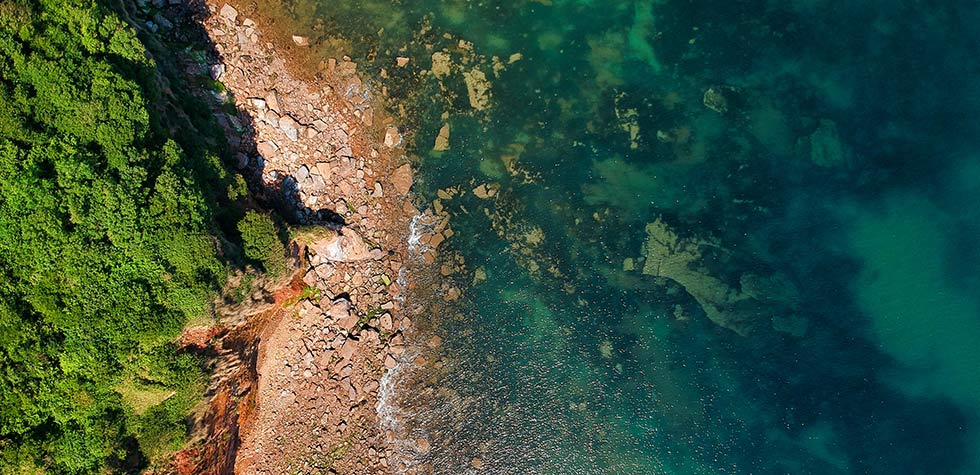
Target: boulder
(392,137)
(242,161)
(323,169)
(163,21)
(289,127)
(272,100)
(324,271)
(217,71)
(258,103)
(339,309)
(401,179)
(348,349)
(267,149)
(346,247)
(302,174)
(348,323)
(229,13)
(301,40)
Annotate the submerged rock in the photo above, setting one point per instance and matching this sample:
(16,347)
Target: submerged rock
(714,99)
(792,324)
(740,310)
(441,64)
(478,89)
(824,145)
(773,288)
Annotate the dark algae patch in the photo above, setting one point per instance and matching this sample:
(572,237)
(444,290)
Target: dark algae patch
(699,237)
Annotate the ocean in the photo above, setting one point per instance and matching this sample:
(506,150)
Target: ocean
(688,237)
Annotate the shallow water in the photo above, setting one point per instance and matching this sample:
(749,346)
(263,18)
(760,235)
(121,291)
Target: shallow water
(787,281)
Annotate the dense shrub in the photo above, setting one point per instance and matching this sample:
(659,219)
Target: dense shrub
(261,242)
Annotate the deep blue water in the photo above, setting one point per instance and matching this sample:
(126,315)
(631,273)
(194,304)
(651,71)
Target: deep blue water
(725,237)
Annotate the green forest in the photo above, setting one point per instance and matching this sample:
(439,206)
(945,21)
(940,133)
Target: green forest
(119,223)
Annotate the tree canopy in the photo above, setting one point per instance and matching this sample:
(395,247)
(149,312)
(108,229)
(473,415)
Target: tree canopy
(109,242)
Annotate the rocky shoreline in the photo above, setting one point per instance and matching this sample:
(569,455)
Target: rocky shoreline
(299,364)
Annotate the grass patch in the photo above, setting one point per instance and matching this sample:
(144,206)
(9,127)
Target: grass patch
(311,293)
(141,396)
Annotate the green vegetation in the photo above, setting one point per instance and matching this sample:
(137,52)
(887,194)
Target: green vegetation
(115,218)
(262,242)
(308,293)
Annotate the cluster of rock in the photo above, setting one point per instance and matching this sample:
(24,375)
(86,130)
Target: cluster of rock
(304,136)
(318,386)
(323,153)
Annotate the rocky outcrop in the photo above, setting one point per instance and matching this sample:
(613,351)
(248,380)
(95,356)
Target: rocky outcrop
(313,365)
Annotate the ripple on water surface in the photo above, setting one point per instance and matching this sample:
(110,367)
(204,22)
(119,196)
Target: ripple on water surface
(689,237)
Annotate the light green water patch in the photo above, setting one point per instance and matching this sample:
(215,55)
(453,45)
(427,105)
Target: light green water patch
(539,320)
(643,28)
(675,395)
(918,315)
(922,320)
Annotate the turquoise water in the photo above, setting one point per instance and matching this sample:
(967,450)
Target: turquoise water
(724,237)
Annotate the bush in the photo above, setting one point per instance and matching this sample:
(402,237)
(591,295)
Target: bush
(262,242)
